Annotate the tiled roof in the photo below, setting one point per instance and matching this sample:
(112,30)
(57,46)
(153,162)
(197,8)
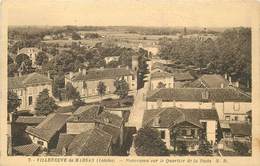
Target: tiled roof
(173,116)
(95,113)
(49,127)
(27,150)
(64,142)
(99,74)
(183,76)
(113,131)
(209,81)
(30,119)
(240,129)
(195,94)
(159,74)
(94,142)
(29,79)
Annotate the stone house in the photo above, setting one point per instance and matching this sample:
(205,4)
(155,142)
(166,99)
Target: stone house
(179,125)
(86,81)
(230,103)
(161,77)
(28,87)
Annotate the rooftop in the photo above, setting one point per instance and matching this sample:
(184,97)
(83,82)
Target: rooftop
(30,119)
(28,150)
(195,94)
(99,74)
(173,115)
(209,81)
(240,129)
(94,142)
(27,80)
(49,127)
(162,74)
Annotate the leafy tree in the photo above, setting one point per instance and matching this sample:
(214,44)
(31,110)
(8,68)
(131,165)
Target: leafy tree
(241,148)
(122,88)
(78,103)
(101,88)
(41,58)
(148,143)
(23,58)
(182,148)
(75,36)
(10,60)
(12,69)
(13,101)
(58,83)
(161,85)
(71,92)
(44,103)
(205,148)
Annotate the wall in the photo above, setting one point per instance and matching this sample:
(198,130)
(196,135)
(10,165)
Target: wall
(77,127)
(211,130)
(36,139)
(169,81)
(223,109)
(167,139)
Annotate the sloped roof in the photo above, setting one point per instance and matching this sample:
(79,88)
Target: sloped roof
(28,150)
(209,81)
(173,116)
(159,74)
(49,127)
(240,129)
(195,94)
(99,74)
(64,142)
(94,142)
(25,80)
(30,119)
(183,76)
(95,113)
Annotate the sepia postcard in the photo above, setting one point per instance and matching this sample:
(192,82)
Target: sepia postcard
(130,82)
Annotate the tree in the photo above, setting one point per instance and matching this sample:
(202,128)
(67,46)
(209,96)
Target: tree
(148,143)
(205,148)
(78,103)
(44,103)
(23,58)
(58,83)
(161,85)
(241,148)
(101,88)
(75,36)
(122,88)
(41,58)
(71,92)
(13,102)
(12,69)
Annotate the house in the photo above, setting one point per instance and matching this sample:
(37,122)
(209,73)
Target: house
(46,133)
(109,59)
(94,116)
(92,142)
(210,81)
(28,87)
(182,78)
(230,103)
(31,52)
(27,150)
(237,131)
(86,81)
(161,78)
(181,125)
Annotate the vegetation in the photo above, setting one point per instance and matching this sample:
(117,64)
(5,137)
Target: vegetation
(41,58)
(161,85)
(13,102)
(241,148)
(230,53)
(205,148)
(57,85)
(45,104)
(122,88)
(148,143)
(71,92)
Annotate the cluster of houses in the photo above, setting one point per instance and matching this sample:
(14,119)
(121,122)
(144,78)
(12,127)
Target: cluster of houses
(186,110)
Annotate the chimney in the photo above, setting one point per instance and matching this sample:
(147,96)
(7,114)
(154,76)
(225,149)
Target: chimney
(156,121)
(49,75)
(84,71)
(79,69)
(71,75)
(230,79)
(127,67)
(226,76)
(222,85)
(237,84)
(20,74)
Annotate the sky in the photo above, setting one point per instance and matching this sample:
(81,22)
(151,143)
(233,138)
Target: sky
(201,13)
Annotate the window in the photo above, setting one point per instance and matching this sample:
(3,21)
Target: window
(236,118)
(184,132)
(40,142)
(30,100)
(227,117)
(192,132)
(236,106)
(162,134)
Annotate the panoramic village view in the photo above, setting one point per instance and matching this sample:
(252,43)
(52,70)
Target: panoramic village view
(129,91)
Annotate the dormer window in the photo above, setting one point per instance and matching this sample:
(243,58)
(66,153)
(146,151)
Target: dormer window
(205,95)
(156,121)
